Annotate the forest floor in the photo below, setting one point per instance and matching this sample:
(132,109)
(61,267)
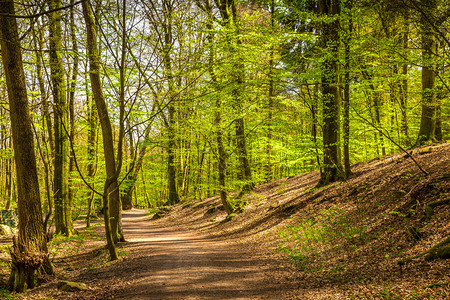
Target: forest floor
(291,241)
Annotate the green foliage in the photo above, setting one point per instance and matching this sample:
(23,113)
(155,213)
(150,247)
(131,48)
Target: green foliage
(5,294)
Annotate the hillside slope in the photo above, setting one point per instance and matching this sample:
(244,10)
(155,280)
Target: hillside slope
(345,239)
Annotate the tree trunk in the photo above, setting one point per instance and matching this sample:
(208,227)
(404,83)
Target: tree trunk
(63,211)
(238,99)
(268,166)
(116,205)
(405,139)
(29,252)
(171,167)
(92,156)
(222,164)
(171,171)
(39,44)
(330,95)
(110,191)
(73,83)
(346,106)
(429,47)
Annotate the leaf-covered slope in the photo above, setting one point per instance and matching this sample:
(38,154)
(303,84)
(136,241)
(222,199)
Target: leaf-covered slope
(347,237)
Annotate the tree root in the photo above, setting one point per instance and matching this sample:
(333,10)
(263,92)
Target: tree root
(445,177)
(429,209)
(441,250)
(434,285)
(26,267)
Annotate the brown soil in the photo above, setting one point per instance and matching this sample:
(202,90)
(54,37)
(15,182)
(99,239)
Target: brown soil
(292,241)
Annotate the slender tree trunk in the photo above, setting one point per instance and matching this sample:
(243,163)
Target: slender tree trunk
(92,155)
(403,87)
(110,191)
(171,144)
(429,51)
(73,83)
(39,43)
(63,211)
(197,187)
(315,121)
(377,108)
(46,135)
(346,102)
(171,169)
(29,252)
(270,96)
(330,95)
(222,163)
(238,100)
(116,205)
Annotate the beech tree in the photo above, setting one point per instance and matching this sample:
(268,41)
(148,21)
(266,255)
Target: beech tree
(110,188)
(330,10)
(29,253)
(428,20)
(63,209)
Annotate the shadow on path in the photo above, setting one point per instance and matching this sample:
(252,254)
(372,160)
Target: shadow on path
(164,263)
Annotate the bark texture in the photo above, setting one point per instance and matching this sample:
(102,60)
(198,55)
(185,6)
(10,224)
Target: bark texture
(429,51)
(332,170)
(29,252)
(110,190)
(63,210)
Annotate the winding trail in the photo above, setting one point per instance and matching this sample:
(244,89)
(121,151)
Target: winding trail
(165,263)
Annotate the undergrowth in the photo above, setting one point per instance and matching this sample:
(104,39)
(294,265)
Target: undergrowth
(311,236)
(5,294)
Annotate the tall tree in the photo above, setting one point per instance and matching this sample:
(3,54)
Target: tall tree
(429,51)
(110,188)
(63,209)
(71,111)
(29,253)
(230,22)
(330,10)
(348,5)
(168,41)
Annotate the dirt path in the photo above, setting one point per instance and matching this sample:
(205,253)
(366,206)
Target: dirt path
(164,263)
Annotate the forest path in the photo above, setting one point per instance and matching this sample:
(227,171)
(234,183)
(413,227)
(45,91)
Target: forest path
(165,263)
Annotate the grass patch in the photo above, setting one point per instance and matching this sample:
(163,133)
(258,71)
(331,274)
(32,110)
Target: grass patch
(151,211)
(59,243)
(311,237)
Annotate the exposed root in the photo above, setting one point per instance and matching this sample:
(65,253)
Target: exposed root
(26,267)
(429,209)
(441,250)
